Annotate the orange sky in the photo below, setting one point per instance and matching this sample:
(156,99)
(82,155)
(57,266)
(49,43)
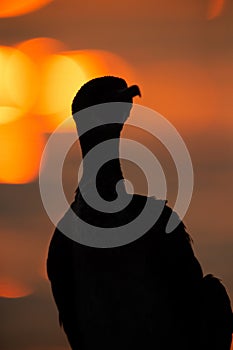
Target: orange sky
(178,52)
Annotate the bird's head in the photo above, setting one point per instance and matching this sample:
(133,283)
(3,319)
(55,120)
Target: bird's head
(104,90)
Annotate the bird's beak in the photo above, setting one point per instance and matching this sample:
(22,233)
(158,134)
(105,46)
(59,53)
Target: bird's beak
(128,93)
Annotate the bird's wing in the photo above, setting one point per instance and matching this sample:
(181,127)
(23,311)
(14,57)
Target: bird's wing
(215,315)
(61,275)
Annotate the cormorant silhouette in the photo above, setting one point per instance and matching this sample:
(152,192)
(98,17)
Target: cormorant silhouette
(147,294)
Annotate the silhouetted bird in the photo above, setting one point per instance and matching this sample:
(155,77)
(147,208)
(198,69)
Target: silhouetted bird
(147,294)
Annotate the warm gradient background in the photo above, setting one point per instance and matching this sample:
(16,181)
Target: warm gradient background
(180,53)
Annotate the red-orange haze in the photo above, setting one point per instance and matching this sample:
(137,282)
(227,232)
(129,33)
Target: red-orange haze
(179,52)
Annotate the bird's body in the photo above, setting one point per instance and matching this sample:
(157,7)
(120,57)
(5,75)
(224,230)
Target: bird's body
(130,296)
(142,295)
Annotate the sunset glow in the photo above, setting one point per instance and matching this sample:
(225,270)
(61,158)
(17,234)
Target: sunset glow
(17,83)
(21,145)
(179,53)
(11,288)
(100,62)
(182,91)
(12,8)
(38,49)
(215,8)
(63,74)
(9,114)
(39,80)
(39,77)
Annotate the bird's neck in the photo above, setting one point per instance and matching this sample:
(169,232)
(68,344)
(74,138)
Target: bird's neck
(101,163)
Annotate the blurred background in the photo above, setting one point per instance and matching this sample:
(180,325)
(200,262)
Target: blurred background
(180,54)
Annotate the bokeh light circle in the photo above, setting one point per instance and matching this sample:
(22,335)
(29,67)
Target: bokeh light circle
(21,146)
(61,76)
(18,80)
(12,8)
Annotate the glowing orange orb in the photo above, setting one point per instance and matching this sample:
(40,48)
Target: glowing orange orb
(21,146)
(42,51)
(9,114)
(12,8)
(38,49)
(61,76)
(65,73)
(17,93)
(12,288)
